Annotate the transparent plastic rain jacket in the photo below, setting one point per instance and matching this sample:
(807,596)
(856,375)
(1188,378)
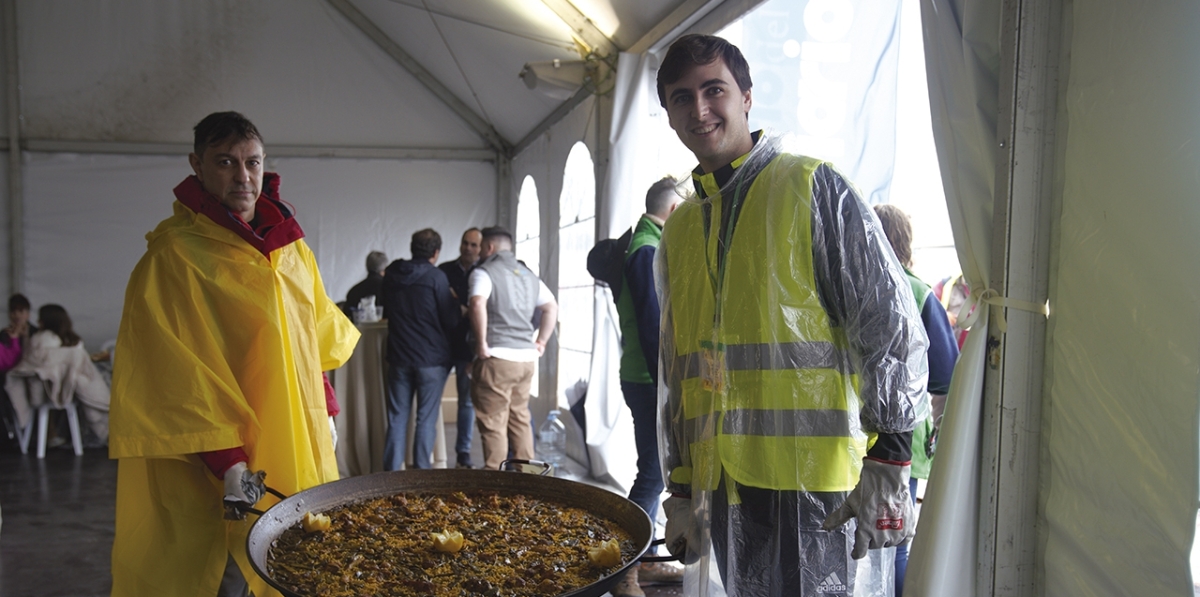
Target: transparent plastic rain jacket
(789,341)
(219,347)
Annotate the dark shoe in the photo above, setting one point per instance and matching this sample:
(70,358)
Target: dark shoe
(465,463)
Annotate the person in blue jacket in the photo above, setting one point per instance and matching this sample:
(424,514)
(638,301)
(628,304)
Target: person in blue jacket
(943,353)
(422,315)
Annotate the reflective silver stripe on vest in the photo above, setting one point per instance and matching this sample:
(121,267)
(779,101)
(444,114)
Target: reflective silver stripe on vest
(787,423)
(772,357)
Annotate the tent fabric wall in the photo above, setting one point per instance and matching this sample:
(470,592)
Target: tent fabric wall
(544,160)
(1119,486)
(1119,428)
(608,448)
(86,217)
(962,61)
(5,229)
(350,207)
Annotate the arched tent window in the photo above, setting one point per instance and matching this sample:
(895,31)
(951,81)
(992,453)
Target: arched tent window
(528,238)
(576,235)
(529,225)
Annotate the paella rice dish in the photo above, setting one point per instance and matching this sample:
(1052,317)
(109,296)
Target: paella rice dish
(458,544)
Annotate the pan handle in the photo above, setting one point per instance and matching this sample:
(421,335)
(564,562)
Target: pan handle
(526,466)
(667,558)
(238,510)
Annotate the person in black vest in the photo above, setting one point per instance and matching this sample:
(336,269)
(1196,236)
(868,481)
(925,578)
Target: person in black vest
(460,345)
(503,298)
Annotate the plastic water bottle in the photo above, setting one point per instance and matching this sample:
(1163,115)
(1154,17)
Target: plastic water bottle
(552,441)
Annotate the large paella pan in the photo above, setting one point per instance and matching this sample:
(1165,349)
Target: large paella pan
(287,514)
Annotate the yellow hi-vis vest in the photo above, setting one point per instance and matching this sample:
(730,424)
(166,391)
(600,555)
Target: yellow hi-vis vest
(768,388)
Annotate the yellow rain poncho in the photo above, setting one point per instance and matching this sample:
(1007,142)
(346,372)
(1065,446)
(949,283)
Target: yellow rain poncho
(219,347)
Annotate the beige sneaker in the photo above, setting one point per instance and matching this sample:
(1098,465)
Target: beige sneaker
(660,573)
(628,586)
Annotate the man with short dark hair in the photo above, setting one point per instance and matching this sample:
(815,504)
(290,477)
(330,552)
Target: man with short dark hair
(504,296)
(224,336)
(421,314)
(369,286)
(460,343)
(638,312)
(793,356)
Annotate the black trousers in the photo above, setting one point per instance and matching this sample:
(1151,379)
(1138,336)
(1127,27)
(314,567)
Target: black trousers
(233,583)
(771,544)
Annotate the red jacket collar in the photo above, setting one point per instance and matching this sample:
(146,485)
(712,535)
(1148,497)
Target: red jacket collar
(273,226)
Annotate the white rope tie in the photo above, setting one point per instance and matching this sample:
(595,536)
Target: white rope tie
(968,314)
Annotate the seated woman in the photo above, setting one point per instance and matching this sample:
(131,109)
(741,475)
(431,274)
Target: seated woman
(14,337)
(56,355)
(13,340)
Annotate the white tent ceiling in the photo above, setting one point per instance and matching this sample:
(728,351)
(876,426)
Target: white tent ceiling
(307,71)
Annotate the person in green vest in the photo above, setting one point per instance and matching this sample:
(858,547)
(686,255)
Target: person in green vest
(942,354)
(792,354)
(637,309)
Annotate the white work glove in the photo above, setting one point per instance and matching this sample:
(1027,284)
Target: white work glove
(881,505)
(242,487)
(333,432)
(682,533)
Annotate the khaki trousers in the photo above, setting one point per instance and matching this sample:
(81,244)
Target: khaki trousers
(500,393)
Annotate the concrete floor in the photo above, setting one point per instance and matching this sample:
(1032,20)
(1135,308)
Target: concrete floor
(58,523)
(58,520)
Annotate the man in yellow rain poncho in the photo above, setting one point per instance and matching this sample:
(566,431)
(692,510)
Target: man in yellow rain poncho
(225,333)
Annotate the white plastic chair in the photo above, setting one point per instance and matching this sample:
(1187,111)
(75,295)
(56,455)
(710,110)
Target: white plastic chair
(38,393)
(110,347)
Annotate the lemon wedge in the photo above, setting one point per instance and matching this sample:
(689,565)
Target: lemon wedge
(315,523)
(605,555)
(447,541)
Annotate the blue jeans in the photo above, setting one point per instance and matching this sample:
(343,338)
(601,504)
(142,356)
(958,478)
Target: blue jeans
(427,383)
(466,411)
(902,549)
(642,399)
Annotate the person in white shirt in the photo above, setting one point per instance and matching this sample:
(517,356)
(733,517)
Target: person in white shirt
(505,297)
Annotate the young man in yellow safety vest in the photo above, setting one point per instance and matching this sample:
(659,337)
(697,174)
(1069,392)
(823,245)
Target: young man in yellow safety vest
(793,356)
